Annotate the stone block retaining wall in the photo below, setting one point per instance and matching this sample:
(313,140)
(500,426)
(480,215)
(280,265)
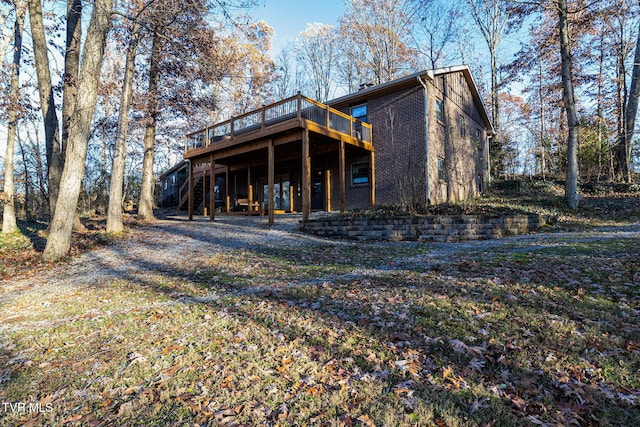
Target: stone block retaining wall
(434,228)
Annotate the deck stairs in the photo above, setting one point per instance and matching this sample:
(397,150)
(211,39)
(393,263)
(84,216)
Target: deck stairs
(198,183)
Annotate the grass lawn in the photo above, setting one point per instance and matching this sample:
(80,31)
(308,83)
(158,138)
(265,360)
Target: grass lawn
(336,333)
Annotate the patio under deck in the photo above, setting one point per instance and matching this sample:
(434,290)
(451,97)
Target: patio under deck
(294,129)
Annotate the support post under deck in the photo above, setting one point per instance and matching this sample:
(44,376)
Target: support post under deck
(212,192)
(249,190)
(191,191)
(306,176)
(342,175)
(372,178)
(271,179)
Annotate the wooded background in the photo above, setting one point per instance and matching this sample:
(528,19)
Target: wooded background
(98,95)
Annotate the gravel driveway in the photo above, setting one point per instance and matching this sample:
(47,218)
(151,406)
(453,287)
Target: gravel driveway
(170,243)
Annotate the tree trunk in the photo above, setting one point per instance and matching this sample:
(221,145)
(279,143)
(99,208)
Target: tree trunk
(59,241)
(543,133)
(9,223)
(626,139)
(114,213)
(34,150)
(47,103)
(145,204)
(71,65)
(27,184)
(71,70)
(571,186)
(496,149)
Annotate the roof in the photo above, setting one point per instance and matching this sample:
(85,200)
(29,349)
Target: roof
(175,168)
(412,80)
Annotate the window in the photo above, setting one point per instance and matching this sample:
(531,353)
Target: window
(478,140)
(359,112)
(360,173)
(461,126)
(439,110)
(442,176)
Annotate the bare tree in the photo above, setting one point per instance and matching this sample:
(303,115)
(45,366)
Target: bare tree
(317,50)
(9,224)
(383,29)
(114,211)
(59,241)
(351,64)
(571,184)
(284,83)
(145,203)
(626,138)
(47,102)
(491,17)
(436,30)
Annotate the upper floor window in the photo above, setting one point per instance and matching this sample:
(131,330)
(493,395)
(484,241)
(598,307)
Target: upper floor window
(478,140)
(359,112)
(461,126)
(439,110)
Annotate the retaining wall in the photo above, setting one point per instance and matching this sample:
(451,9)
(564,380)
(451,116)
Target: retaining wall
(434,228)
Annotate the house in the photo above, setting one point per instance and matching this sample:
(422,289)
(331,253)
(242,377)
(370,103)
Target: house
(420,139)
(174,191)
(173,185)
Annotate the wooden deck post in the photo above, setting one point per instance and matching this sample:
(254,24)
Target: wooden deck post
(306,176)
(327,116)
(291,199)
(204,191)
(342,175)
(212,191)
(226,190)
(249,189)
(271,179)
(191,190)
(372,178)
(327,179)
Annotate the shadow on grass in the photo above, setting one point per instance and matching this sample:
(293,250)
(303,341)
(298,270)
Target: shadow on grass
(430,334)
(403,315)
(34,231)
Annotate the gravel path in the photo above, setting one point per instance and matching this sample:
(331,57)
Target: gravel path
(164,246)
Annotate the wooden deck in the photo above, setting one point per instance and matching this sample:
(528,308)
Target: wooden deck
(298,127)
(244,133)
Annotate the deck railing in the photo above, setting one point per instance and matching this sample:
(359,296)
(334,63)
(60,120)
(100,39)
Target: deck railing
(297,106)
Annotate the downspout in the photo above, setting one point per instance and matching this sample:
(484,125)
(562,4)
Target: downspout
(426,138)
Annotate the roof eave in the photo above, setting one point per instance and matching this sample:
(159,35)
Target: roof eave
(410,78)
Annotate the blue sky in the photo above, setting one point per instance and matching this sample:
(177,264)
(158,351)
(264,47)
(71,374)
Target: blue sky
(290,17)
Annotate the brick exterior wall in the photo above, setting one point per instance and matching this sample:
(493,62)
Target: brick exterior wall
(462,152)
(398,126)
(398,122)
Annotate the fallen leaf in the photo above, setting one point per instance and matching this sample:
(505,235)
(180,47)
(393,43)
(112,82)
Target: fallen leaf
(72,419)
(172,348)
(366,420)
(447,372)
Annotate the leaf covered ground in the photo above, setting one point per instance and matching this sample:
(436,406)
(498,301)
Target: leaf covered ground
(233,323)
